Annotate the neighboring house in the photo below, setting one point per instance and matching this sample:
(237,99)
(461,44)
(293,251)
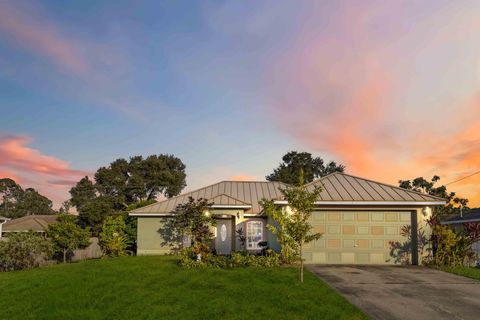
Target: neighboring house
(471,216)
(36,223)
(39,224)
(358,218)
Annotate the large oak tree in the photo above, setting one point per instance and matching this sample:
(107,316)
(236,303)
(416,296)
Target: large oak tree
(293,163)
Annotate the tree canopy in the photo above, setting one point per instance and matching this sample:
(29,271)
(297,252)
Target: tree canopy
(124,183)
(15,202)
(293,163)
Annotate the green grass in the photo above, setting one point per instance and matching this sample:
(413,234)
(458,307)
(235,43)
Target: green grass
(157,288)
(473,273)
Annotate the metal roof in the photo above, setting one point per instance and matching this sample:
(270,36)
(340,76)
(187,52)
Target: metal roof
(472,215)
(337,188)
(37,223)
(344,187)
(226,193)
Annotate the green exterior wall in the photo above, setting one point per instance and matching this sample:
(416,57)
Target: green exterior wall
(149,240)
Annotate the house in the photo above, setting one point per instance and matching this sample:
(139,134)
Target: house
(457,221)
(35,223)
(357,217)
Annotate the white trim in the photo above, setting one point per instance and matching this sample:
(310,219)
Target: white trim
(228,206)
(134,214)
(460,221)
(5,220)
(372,203)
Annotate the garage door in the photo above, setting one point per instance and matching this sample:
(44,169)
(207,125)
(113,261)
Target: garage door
(356,237)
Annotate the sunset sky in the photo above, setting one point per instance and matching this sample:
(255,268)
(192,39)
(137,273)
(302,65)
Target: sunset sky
(391,89)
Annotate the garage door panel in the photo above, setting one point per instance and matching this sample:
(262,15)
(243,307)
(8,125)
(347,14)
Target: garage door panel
(356,237)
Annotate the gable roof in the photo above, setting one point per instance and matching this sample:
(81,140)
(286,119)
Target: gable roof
(337,187)
(340,186)
(225,200)
(37,223)
(472,215)
(234,193)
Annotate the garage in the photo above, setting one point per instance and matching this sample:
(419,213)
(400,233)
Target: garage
(357,236)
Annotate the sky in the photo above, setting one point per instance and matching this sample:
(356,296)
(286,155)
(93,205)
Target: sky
(391,89)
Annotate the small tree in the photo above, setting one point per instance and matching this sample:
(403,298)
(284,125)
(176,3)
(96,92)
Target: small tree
(23,250)
(294,229)
(193,220)
(67,236)
(113,237)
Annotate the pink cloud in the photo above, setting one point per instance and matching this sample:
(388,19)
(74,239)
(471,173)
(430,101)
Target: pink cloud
(41,37)
(340,90)
(50,175)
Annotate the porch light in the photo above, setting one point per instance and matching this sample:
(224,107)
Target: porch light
(427,212)
(207,213)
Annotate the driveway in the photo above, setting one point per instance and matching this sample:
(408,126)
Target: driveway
(393,292)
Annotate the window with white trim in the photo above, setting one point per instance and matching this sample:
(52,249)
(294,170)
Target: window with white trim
(254,234)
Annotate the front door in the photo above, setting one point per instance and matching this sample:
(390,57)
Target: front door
(223,240)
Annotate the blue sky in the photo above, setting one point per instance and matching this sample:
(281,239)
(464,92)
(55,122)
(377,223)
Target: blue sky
(229,87)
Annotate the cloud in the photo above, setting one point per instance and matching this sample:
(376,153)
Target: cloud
(41,37)
(242,177)
(50,175)
(344,88)
(82,69)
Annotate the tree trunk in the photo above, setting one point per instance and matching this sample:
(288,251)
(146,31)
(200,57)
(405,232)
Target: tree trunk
(64,255)
(301,262)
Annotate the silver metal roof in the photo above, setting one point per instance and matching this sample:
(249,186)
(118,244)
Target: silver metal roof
(337,187)
(344,187)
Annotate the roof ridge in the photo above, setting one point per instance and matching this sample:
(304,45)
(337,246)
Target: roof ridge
(180,195)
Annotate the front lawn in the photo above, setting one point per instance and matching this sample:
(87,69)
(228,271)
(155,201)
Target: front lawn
(473,273)
(157,288)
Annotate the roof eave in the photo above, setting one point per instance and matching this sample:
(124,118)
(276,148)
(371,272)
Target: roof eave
(373,203)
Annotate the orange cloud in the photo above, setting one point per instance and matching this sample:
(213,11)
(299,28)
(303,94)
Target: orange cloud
(243,177)
(51,176)
(343,96)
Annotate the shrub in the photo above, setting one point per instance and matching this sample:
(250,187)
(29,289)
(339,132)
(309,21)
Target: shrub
(24,251)
(188,259)
(113,237)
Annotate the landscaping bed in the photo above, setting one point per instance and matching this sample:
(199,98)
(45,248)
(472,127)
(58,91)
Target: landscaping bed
(158,288)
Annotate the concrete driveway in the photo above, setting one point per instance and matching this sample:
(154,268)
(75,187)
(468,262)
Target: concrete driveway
(391,292)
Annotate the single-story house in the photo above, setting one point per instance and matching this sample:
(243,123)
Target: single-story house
(357,217)
(457,221)
(35,223)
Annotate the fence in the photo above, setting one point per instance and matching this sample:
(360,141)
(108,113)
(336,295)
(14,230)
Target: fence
(93,251)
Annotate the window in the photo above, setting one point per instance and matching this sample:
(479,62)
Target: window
(254,234)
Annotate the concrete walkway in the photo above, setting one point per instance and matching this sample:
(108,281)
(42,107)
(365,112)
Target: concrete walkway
(391,292)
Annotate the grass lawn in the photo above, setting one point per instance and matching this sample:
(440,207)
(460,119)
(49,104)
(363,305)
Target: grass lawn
(157,288)
(473,273)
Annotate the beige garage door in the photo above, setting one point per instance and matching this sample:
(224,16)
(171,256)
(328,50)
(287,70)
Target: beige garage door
(356,237)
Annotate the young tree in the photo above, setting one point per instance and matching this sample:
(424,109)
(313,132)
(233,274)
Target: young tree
(113,238)
(293,228)
(193,220)
(295,162)
(67,236)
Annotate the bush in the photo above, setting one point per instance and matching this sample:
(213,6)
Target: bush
(113,238)
(24,250)
(188,259)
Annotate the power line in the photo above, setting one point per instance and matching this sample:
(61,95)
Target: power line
(470,175)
